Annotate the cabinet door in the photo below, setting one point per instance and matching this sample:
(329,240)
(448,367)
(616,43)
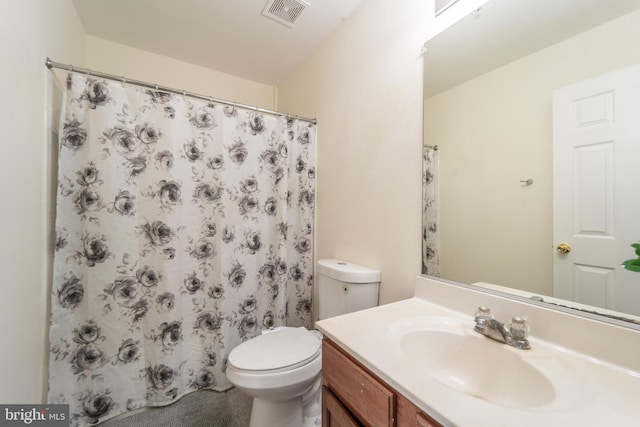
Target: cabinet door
(409,415)
(333,413)
(366,397)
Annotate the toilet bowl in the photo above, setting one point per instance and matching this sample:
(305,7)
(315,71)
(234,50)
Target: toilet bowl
(281,369)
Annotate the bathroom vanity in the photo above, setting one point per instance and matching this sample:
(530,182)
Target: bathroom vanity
(419,362)
(352,395)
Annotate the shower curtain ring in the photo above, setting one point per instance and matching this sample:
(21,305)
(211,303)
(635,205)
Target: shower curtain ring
(123,80)
(156,86)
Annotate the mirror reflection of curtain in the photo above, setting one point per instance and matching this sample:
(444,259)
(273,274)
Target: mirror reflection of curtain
(183,228)
(430,207)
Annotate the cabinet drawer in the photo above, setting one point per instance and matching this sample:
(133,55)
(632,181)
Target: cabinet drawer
(366,397)
(333,413)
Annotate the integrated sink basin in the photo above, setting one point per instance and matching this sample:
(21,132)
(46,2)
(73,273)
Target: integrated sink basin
(426,349)
(468,362)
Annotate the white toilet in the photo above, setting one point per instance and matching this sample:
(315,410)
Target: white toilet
(281,369)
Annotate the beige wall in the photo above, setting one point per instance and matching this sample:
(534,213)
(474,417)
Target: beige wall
(364,85)
(494,131)
(114,58)
(30,31)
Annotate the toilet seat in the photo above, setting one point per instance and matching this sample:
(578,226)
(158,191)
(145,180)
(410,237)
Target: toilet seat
(284,349)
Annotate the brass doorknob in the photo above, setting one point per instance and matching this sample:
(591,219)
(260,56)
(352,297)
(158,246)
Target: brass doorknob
(563,248)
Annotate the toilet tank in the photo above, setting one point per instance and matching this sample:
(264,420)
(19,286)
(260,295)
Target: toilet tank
(344,287)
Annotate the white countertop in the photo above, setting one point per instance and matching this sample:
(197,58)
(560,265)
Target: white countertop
(589,391)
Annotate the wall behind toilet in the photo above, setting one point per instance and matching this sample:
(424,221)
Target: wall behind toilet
(364,84)
(119,59)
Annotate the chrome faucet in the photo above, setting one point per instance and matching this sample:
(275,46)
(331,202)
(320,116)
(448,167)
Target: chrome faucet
(516,335)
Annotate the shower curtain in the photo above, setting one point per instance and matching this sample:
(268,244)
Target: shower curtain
(183,228)
(430,262)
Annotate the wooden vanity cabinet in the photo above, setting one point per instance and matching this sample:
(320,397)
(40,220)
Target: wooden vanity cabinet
(333,413)
(354,396)
(359,392)
(409,415)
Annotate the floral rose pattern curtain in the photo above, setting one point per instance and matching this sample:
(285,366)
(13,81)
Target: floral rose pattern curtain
(182,229)
(430,242)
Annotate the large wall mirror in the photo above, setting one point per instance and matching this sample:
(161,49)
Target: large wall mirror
(488,198)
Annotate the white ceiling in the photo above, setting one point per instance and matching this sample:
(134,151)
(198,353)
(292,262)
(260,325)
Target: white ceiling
(506,30)
(231,36)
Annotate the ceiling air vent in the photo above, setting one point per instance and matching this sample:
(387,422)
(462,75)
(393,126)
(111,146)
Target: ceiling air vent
(285,11)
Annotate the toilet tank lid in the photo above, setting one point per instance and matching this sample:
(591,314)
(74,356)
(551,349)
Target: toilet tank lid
(347,271)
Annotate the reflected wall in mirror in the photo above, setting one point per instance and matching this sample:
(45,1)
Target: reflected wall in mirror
(489,84)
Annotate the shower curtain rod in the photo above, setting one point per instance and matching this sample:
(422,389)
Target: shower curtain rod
(52,64)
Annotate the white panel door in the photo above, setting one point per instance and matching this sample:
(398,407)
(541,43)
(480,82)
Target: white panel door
(596,193)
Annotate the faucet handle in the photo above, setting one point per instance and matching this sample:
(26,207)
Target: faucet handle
(519,328)
(484,311)
(482,315)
